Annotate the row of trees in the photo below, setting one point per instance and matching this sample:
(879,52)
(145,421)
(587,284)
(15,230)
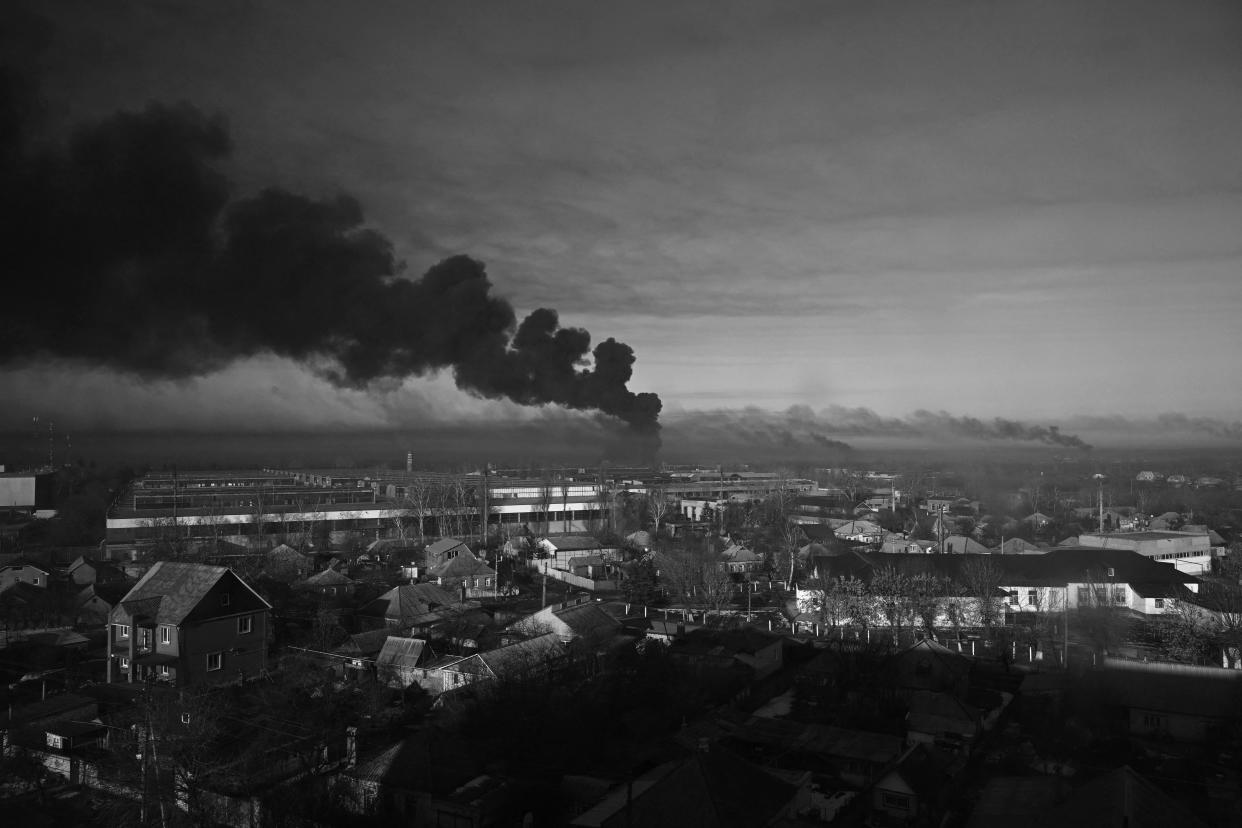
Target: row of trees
(902,599)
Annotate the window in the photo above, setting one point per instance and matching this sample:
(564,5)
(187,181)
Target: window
(164,671)
(1119,595)
(1084,596)
(185,718)
(1159,603)
(1152,720)
(224,599)
(245,624)
(893,800)
(1111,573)
(1013,597)
(124,663)
(145,638)
(1032,597)
(165,635)
(122,630)
(215,661)
(35,581)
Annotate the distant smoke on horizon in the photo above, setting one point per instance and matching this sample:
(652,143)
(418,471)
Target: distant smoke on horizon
(126,251)
(1166,424)
(824,427)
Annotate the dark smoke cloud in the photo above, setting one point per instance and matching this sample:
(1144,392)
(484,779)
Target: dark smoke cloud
(995,429)
(1200,425)
(863,422)
(1162,427)
(127,251)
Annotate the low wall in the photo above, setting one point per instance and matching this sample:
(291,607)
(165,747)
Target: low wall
(580,582)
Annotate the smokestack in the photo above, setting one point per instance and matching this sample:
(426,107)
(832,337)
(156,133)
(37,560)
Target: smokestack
(409,461)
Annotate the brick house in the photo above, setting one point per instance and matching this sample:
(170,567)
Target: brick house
(187,623)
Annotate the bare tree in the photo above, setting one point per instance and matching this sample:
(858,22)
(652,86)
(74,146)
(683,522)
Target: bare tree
(658,505)
(546,494)
(844,600)
(929,594)
(853,482)
(699,576)
(1219,609)
(418,502)
(1100,616)
(893,593)
(982,580)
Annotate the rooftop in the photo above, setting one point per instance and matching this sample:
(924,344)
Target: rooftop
(170,591)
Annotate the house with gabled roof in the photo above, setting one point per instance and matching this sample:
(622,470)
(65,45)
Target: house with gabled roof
(1018,546)
(762,653)
(328,584)
(84,571)
(928,665)
(963,545)
(582,621)
(445,549)
(409,604)
(741,559)
(96,601)
(284,563)
(860,531)
(188,623)
(942,720)
(560,549)
(22,571)
(466,574)
(912,790)
(399,659)
(532,657)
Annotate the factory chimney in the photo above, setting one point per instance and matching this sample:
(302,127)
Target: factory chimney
(409,461)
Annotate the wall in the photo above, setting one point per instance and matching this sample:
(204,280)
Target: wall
(1179,727)
(580,582)
(24,573)
(221,635)
(25,491)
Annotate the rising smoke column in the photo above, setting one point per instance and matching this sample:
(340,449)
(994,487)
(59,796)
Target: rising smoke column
(126,251)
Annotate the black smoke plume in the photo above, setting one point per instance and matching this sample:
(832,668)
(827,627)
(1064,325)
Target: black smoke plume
(863,422)
(127,251)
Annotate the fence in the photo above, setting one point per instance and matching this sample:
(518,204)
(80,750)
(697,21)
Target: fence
(591,584)
(1124,663)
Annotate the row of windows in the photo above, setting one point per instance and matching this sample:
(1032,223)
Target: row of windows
(163,670)
(215,661)
(1085,595)
(245,624)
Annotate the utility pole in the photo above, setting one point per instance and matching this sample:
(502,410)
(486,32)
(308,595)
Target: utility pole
(1100,480)
(486,507)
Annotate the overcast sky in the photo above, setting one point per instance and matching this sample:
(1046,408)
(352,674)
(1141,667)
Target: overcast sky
(1020,209)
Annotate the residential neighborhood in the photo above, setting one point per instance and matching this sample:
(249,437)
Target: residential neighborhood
(850,665)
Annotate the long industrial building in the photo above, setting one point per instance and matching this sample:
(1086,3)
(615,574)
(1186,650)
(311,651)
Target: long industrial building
(321,507)
(326,508)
